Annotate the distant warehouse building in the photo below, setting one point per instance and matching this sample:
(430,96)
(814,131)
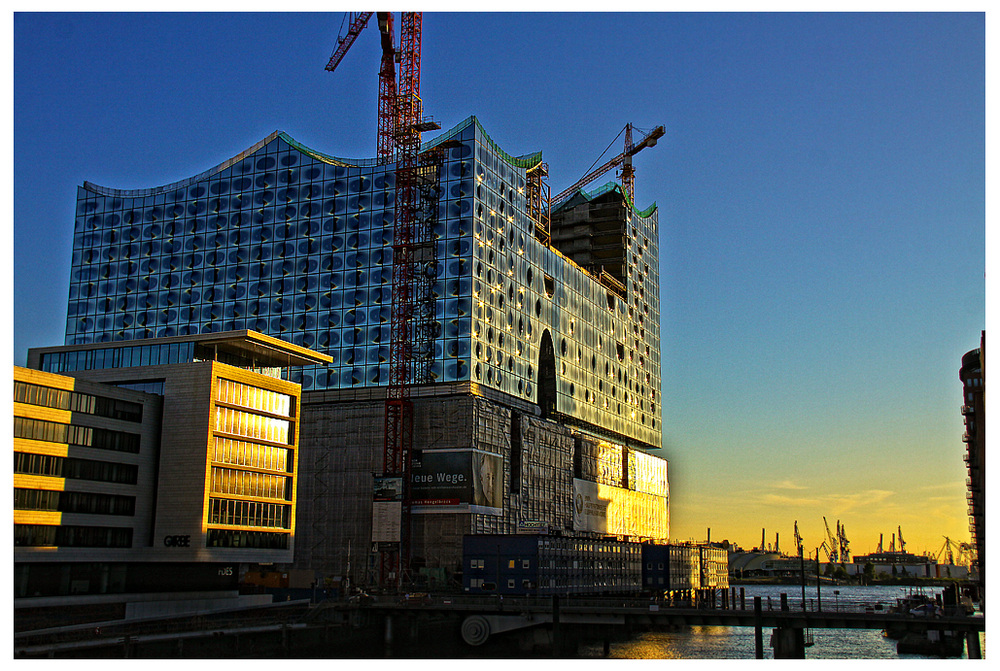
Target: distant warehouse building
(544,564)
(148,474)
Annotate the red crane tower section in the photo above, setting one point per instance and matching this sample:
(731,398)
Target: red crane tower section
(400,124)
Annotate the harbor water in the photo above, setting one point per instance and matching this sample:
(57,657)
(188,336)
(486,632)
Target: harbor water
(711,642)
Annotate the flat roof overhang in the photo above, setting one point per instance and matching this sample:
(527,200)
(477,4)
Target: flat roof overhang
(255,348)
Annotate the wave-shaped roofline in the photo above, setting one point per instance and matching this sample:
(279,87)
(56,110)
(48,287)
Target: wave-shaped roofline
(527,161)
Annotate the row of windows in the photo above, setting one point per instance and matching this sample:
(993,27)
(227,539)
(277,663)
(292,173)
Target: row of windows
(73,502)
(70,434)
(512,563)
(75,469)
(242,453)
(255,398)
(489,585)
(250,483)
(249,513)
(75,401)
(118,357)
(44,535)
(230,420)
(262,540)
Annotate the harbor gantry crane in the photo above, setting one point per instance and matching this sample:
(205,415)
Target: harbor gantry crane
(902,543)
(833,544)
(400,124)
(957,554)
(798,540)
(843,544)
(623,159)
(946,552)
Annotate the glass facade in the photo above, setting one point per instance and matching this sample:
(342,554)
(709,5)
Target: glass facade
(33,394)
(297,244)
(251,477)
(117,357)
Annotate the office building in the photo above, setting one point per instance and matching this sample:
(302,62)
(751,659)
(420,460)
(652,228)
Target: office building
(155,467)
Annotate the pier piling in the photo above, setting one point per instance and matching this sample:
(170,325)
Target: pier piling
(758,631)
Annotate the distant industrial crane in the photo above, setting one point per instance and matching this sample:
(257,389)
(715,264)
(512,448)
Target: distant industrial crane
(844,544)
(400,123)
(958,554)
(902,543)
(945,551)
(798,539)
(831,554)
(623,159)
(833,544)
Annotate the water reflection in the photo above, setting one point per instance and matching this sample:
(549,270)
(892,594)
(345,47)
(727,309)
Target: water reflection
(706,642)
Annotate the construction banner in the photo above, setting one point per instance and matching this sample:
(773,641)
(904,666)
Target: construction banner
(450,480)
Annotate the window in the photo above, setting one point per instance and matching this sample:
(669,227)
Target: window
(73,502)
(550,286)
(510,583)
(43,535)
(54,432)
(525,564)
(75,469)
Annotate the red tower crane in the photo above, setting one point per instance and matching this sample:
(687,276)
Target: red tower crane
(400,124)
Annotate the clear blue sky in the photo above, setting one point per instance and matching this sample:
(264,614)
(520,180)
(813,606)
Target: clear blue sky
(821,190)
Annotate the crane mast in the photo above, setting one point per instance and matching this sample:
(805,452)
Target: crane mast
(400,124)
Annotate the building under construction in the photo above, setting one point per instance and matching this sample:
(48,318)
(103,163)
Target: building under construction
(495,353)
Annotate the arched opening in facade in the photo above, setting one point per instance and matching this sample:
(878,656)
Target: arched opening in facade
(547,376)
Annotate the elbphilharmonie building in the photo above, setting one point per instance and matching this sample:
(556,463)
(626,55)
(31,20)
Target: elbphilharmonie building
(539,354)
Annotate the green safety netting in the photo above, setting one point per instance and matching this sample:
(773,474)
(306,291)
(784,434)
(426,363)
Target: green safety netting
(611,186)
